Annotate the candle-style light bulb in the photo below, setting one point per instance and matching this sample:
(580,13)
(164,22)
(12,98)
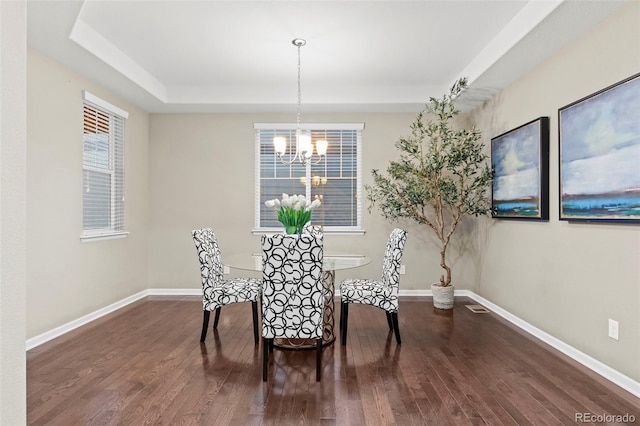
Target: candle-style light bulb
(280,145)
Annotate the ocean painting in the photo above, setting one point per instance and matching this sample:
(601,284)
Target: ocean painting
(600,155)
(520,160)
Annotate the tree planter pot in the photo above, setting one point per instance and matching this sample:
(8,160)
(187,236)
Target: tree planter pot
(442,296)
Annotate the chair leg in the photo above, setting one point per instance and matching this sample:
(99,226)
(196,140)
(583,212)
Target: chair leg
(205,325)
(254,308)
(215,321)
(265,357)
(341,316)
(396,327)
(389,320)
(318,359)
(345,312)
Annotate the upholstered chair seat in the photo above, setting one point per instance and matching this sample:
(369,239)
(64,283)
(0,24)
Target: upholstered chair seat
(369,292)
(232,291)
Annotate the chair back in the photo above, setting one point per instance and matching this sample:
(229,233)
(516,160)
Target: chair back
(312,229)
(292,294)
(211,268)
(392,257)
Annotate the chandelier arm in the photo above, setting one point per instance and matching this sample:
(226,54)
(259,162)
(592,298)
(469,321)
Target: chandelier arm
(320,158)
(290,161)
(292,158)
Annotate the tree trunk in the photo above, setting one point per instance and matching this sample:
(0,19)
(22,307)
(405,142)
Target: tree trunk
(444,281)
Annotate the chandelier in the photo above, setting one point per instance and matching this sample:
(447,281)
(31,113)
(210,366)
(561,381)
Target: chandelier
(303,145)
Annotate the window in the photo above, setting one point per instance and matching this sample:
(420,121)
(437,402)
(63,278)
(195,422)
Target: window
(102,169)
(335,181)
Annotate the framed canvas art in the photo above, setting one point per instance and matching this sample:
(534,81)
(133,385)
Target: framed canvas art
(600,155)
(520,160)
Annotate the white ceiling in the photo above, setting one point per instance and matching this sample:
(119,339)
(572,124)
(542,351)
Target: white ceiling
(237,56)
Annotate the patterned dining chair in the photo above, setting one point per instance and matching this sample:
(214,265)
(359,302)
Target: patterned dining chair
(292,293)
(380,293)
(312,229)
(218,291)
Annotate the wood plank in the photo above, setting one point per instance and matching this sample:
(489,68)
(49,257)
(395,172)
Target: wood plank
(145,365)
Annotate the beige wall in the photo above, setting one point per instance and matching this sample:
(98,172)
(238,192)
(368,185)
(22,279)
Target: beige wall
(565,278)
(202,174)
(66,278)
(13,170)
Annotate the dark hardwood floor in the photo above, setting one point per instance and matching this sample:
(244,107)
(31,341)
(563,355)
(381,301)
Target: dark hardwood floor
(144,365)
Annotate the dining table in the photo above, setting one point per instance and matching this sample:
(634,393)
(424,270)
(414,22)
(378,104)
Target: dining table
(331,262)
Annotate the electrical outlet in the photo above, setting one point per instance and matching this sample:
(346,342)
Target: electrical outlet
(226,269)
(403,270)
(613,329)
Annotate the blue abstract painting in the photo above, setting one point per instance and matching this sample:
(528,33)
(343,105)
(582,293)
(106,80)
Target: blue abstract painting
(600,155)
(520,160)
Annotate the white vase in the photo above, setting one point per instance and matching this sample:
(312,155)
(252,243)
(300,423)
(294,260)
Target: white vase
(442,296)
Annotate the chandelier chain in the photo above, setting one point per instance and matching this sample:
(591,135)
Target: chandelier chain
(299,91)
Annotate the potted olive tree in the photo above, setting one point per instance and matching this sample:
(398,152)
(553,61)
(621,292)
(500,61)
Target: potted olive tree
(441,176)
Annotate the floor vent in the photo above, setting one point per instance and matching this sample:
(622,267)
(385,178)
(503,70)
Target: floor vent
(478,309)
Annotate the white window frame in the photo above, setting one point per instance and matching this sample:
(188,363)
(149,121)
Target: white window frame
(345,230)
(116,148)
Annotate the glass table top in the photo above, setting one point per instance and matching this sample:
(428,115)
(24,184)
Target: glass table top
(331,261)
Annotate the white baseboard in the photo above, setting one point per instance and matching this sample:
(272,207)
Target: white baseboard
(417,293)
(593,364)
(175,292)
(72,325)
(614,376)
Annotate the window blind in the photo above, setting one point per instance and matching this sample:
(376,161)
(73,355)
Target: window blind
(103,170)
(335,181)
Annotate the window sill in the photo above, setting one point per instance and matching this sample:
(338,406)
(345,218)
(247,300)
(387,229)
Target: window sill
(100,237)
(326,231)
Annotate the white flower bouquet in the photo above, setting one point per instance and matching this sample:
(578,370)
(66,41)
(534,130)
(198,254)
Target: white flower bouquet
(293,211)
